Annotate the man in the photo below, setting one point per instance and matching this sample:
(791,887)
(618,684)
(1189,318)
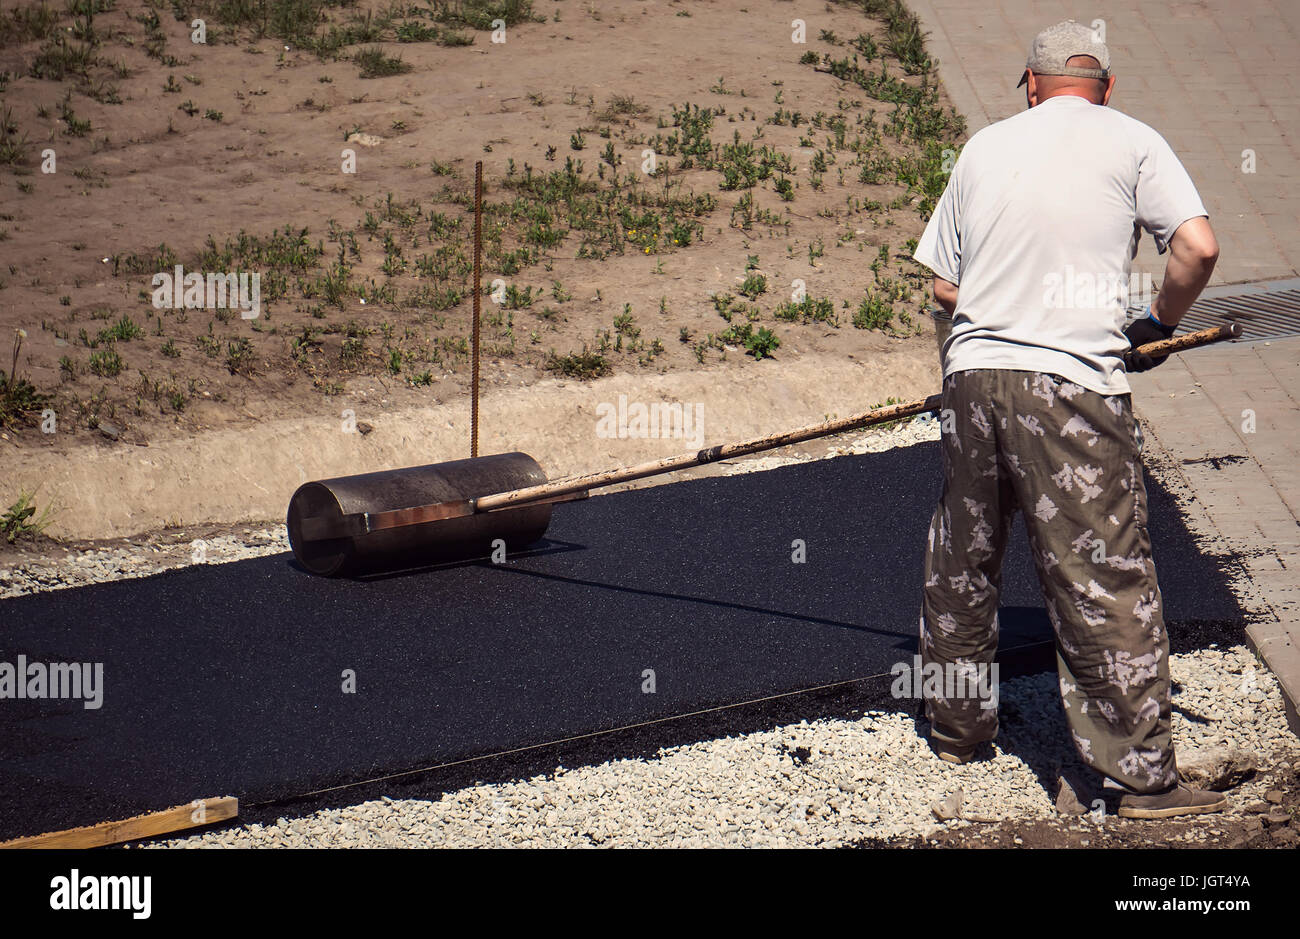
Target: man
(1031,246)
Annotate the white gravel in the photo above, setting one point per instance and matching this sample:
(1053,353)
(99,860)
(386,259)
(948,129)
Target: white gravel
(144,558)
(866,778)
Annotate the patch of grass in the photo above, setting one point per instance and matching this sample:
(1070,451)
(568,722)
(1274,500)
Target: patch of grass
(865,44)
(479,14)
(453,37)
(106,363)
(124,330)
(293,21)
(759,343)
(19,399)
(59,59)
(20,520)
(754,286)
(75,126)
(584,365)
(625,324)
(621,107)
(905,39)
(376,63)
(412,31)
(13,149)
(808,310)
(918,115)
(876,311)
(240,356)
(163,258)
(516,299)
(27,23)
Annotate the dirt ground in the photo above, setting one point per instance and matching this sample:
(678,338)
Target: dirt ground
(231,155)
(1274,823)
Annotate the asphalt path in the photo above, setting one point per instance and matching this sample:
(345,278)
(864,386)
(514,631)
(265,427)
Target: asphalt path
(229,679)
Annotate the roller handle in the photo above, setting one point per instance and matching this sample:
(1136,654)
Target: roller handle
(895,412)
(1202,337)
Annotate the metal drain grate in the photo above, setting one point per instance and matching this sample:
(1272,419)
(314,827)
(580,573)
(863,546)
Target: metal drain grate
(1263,315)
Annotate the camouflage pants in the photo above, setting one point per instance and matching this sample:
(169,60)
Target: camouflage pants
(1069,459)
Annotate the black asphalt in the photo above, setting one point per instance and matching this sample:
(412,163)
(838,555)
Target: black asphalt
(227,679)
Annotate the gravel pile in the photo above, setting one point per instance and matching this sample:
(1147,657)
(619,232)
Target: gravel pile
(151,555)
(820,783)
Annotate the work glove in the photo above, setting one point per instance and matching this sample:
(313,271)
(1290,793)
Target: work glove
(1141,331)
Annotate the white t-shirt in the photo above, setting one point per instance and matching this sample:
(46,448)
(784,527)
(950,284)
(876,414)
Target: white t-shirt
(1038,227)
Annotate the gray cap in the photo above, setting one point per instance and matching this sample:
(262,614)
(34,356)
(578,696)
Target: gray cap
(1054,46)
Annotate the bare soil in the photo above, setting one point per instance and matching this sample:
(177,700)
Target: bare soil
(245,134)
(1274,823)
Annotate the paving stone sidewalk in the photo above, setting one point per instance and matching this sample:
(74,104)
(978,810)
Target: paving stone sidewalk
(1214,77)
(1228,420)
(1216,80)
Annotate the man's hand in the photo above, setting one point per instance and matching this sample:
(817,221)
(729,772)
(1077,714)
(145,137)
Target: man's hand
(1139,332)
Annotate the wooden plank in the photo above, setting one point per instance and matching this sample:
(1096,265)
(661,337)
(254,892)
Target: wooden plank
(196,814)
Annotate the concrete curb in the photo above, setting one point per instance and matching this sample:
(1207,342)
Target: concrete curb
(1271,641)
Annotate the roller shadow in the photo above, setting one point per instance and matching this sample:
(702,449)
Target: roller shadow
(544,548)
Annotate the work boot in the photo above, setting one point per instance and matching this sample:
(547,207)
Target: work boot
(951,753)
(1179,799)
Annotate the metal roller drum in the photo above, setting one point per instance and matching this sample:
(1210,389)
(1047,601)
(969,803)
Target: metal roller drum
(327,528)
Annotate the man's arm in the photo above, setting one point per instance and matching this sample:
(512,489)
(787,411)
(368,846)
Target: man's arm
(945,293)
(1193,252)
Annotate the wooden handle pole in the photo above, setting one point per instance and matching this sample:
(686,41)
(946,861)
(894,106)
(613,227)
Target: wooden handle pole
(700,457)
(883,415)
(1182,343)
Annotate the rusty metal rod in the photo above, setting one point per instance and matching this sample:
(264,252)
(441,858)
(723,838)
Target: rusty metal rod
(478,297)
(771,442)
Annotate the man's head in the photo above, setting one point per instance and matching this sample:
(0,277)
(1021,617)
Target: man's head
(1068,59)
